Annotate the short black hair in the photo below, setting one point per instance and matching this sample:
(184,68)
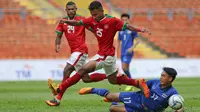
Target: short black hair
(125,15)
(95,5)
(70,3)
(171,72)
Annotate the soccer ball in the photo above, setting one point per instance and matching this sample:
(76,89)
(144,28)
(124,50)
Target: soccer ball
(176,101)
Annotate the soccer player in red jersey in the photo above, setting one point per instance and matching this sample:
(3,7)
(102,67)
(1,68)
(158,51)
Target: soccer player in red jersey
(76,39)
(104,27)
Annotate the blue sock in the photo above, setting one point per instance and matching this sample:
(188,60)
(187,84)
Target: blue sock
(114,103)
(100,91)
(127,73)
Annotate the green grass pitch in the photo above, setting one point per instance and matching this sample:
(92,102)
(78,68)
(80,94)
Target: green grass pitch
(30,96)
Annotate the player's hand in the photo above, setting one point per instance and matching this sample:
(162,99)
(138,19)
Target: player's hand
(57,48)
(130,50)
(145,30)
(63,21)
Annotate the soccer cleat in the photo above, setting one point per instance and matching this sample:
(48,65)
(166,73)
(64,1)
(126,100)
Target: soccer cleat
(129,88)
(53,102)
(53,87)
(86,90)
(144,87)
(106,100)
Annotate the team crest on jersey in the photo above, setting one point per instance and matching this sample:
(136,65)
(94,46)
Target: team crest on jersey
(164,95)
(129,32)
(106,26)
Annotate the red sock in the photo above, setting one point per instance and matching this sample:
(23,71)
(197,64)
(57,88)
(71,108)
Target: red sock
(97,77)
(65,78)
(127,81)
(67,83)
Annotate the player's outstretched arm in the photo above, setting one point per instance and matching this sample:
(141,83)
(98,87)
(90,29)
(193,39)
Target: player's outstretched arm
(71,22)
(58,42)
(134,28)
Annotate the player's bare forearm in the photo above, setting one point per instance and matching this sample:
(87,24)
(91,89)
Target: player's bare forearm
(118,45)
(71,22)
(58,42)
(58,39)
(134,28)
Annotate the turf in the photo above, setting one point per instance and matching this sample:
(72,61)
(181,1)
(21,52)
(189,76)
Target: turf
(30,97)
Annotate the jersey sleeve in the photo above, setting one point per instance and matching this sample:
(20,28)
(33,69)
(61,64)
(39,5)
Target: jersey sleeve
(134,34)
(119,36)
(86,21)
(120,25)
(150,82)
(59,28)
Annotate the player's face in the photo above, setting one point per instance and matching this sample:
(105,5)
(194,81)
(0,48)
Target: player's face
(71,11)
(125,19)
(97,14)
(165,79)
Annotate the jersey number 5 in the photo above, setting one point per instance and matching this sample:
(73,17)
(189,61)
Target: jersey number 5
(99,32)
(70,29)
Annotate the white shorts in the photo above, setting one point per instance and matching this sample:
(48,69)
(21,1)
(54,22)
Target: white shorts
(108,63)
(77,59)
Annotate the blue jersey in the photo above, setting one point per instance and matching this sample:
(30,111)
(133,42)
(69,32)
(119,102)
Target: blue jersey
(158,99)
(126,37)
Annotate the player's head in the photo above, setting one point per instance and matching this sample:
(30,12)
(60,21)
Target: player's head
(96,10)
(168,75)
(71,9)
(125,17)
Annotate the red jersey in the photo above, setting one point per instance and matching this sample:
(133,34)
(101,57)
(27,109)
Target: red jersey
(74,34)
(105,31)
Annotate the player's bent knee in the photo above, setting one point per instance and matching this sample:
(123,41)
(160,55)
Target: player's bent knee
(112,82)
(68,70)
(82,71)
(86,80)
(112,79)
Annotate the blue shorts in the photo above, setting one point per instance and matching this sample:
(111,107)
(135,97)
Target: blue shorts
(132,101)
(126,58)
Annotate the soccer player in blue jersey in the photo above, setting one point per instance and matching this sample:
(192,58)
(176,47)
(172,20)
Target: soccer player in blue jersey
(160,91)
(126,40)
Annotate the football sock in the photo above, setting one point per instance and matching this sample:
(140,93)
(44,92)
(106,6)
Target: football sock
(67,83)
(127,81)
(127,73)
(114,103)
(65,78)
(95,77)
(100,91)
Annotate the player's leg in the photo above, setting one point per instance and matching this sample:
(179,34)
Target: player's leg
(125,64)
(69,68)
(111,71)
(130,100)
(66,74)
(111,97)
(80,60)
(67,71)
(97,63)
(82,73)
(117,108)
(126,59)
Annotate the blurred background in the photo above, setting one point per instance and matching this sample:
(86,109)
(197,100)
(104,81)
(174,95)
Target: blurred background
(27,37)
